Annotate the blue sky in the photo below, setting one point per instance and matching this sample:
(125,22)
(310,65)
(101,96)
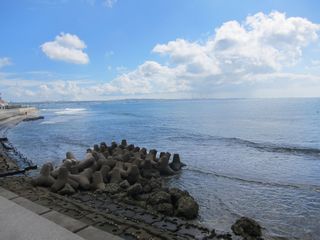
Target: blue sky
(107,49)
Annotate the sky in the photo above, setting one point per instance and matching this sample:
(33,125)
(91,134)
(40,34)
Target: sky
(62,50)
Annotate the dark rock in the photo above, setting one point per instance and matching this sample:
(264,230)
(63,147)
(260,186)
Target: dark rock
(147,188)
(136,149)
(124,142)
(164,208)
(133,174)
(187,207)
(176,194)
(159,197)
(153,153)
(163,166)
(115,175)
(155,183)
(96,148)
(247,228)
(124,184)
(176,164)
(135,189)
(131,147)
(112,188)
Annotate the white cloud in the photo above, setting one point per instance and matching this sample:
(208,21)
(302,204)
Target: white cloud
(255,58)
(66,47)
(5,62)
(109,3)
(236,53)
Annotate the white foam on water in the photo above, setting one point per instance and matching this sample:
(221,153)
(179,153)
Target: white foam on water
(49,122)
(71,111)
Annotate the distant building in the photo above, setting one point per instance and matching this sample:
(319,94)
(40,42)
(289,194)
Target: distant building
(3,104)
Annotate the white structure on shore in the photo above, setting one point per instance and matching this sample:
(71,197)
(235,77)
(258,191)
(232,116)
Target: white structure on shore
(3,104)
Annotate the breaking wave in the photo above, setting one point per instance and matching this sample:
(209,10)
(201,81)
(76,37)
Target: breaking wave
(71,111)
(261,146)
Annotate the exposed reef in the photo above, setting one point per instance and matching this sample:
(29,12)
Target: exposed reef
(126,173)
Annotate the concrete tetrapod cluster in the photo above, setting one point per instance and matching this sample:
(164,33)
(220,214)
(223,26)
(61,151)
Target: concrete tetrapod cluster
(124,172)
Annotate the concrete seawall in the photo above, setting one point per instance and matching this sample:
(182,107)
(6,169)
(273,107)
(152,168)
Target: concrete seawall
(9,113)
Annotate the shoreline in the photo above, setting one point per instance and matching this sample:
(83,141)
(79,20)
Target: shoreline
(11,160)
(122,219)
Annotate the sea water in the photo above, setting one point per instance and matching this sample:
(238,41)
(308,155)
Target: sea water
(246,157)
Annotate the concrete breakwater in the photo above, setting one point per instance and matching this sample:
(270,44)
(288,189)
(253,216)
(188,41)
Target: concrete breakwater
(24,111)
(126,172)
(126,181)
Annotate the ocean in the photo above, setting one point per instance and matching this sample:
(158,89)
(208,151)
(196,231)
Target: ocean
(246,157)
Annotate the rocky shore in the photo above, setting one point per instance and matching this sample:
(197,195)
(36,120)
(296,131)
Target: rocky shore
(119,189)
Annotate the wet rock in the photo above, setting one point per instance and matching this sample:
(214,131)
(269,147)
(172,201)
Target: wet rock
(176,164)
(164,167)
(104,149)
(136,149)
(187,207)
(135,189)
(247,228)
(176,194)
(96,148)
(153,153)
(124,142)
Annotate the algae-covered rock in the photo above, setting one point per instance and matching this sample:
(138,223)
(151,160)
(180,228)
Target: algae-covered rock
(112,188)
(187,207)
(247,228)
(159,197)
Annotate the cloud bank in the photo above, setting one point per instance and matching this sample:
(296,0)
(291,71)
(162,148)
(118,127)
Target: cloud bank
(66,47)
(235,53)
(253,58)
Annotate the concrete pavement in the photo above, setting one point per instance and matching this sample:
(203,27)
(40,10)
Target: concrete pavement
(21,219)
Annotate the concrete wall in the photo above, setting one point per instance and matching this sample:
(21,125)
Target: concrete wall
(5,114)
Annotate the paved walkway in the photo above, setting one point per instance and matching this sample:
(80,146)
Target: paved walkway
(21,219)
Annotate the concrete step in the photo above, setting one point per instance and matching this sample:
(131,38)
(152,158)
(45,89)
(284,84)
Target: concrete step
(22,219)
